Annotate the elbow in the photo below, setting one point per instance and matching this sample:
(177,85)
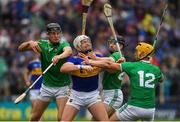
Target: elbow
(69,52)
(19,48)
(64,70)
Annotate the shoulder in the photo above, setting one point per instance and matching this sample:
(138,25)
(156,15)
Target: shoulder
(72,59)
(98,54)
(128,64)
(43,41)
(156,68)
(63,41)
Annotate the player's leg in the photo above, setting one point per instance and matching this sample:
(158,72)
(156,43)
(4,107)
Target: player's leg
(61,102)
(147,114)
(41,103)
(126,113)
(112,100)
(98,111)
(72,106)
(95,106)
(110,110)
(33,103)
(38,109)
(33,96)
(114,117)
(61,95)
(69,112)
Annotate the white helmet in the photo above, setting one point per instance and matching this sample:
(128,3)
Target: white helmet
(78,39)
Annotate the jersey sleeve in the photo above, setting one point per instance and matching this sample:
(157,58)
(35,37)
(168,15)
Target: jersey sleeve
(64,44)
(115,56)
(126,67)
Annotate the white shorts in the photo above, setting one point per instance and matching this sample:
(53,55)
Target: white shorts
(48,93)
(33,94)
(113,98)
(133,113)
(85,99)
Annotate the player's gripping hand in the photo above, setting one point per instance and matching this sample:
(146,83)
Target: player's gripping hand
(84,57)
(35,46)
(122,59)
(55,59)
(92,55)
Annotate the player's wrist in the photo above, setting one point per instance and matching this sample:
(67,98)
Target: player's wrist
(80,66)
(90,62)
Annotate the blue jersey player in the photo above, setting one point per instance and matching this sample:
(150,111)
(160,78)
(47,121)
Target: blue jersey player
(32,72)
(84,83)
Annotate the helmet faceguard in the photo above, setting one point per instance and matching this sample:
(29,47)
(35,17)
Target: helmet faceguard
(144,50)
(77,42)
(120,40)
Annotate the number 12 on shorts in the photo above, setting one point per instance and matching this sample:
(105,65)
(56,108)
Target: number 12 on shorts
(146,83)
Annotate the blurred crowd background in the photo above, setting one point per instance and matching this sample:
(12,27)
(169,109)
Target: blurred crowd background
(136,20)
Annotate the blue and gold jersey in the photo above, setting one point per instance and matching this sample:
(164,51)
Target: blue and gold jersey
(83,80)
(35,70)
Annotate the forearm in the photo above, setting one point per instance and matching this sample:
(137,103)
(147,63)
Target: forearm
(106,64)
(68,67)
(24,46)
(67,52)
(100,63)
(104,58)
(26,78)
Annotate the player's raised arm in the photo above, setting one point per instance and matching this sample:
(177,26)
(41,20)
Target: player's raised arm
(67,51)
(30,45)
(106,63)
(70,67)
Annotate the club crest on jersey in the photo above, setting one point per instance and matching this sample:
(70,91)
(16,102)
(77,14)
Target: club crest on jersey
(52,49)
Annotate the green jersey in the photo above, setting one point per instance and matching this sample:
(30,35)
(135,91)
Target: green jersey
(143,79)
(53,77)
(112,80)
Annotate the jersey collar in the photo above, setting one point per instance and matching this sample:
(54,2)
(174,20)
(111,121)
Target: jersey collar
(145,61)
